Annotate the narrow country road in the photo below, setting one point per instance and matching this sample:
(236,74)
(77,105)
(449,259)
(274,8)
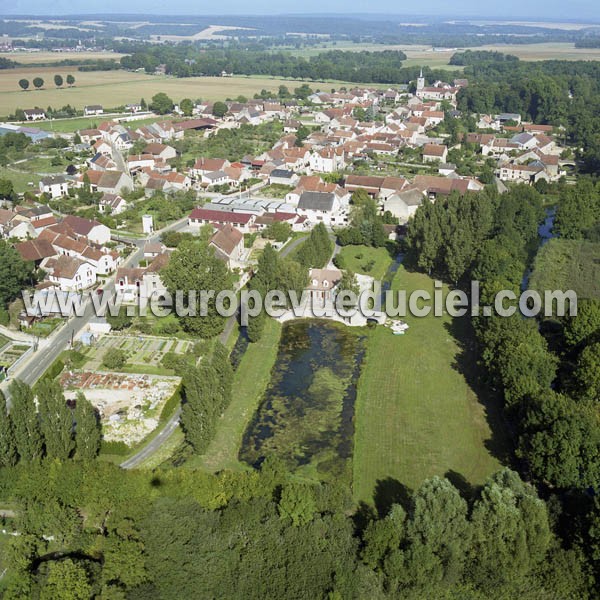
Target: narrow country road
(148,450)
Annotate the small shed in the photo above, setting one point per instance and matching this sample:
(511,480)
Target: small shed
(99,326)
(87,338)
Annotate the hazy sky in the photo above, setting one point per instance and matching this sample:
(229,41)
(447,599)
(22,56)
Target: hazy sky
(571,10)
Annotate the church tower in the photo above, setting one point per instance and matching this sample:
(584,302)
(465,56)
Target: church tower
(421,81)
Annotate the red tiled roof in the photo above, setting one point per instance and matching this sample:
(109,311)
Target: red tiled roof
(219,216)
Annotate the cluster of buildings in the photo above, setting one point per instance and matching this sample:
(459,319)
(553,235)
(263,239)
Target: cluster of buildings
(74,252)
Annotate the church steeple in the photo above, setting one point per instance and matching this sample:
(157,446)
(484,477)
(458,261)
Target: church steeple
(421,80)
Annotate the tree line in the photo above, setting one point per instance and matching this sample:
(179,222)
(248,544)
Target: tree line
(38,82)
(30,433)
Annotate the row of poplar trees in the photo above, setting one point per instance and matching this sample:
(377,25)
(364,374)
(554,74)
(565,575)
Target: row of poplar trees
(48,428)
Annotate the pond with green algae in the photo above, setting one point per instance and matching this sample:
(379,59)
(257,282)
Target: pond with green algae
(306,416)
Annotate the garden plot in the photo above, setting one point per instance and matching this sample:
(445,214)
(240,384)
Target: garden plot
(10,354)
(143,351)
(129,405)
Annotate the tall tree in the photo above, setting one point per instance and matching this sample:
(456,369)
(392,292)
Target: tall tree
(510,532)
(56,420)
(25,421)
(560,440)
(219,109)
(70,80)
(194,267)
(15,273)
(24,84)
(66,580)
(438,532)
(8,449)
(187,107)
(222,366)
(87,429)
(38,82)
(58,80)
(161,103)
(199,412)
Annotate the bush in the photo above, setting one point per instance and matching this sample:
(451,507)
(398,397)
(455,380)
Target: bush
(170,406)
(369,266)
(118,448)
(201,348)
(167,326)
(120,321)
(339,262)
(75,359)
(115,358)
(55,369)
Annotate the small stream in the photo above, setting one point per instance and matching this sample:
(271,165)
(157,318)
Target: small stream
(386,284)
(545,231)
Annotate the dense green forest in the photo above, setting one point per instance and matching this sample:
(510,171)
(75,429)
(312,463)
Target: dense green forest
(88,529)
(185,61)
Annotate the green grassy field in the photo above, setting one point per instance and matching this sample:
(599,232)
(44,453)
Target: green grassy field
(70,125)
(249,384)
(20,179)
(416,416)
(366,260)
(568,265)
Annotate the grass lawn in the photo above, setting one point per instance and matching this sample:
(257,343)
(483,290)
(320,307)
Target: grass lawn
(20,179)
(39,164)
(416,416)
(568,265)
(275,190)
(3,340)
(71,125)
(366,260)
(249,384)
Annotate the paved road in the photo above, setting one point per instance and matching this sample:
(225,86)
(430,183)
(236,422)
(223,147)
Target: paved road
(148,450)
(292,246)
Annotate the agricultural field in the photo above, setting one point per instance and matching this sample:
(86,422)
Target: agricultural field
(27,58)
(568,265)
(11,354)
(22,181)
(427,56)
(117,88)
(417,414)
